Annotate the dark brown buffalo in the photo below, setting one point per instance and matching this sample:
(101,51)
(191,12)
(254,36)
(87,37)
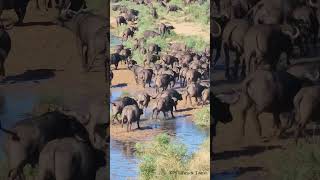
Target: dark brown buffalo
(121,20)
(92,35)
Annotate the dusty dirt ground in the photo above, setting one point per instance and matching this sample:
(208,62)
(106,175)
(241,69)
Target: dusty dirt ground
(124,81)
(44,59)
(188,28)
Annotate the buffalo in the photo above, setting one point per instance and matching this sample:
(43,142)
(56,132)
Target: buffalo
(26,139)
(164,104)
(131,113)
(233,39)
(5,47)
(163,81)
(91,32)
(263,45)
(118,106)
(67,158)
(264,91)
(306,104)
(121,20)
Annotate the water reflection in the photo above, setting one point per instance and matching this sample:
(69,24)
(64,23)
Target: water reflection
(13,107)
(124,164)
(115,40)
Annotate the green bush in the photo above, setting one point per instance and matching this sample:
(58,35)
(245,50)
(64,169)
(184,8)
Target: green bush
(148,167)
(160,157)
(137,56)
(202,117)
(199,13)
(119,30)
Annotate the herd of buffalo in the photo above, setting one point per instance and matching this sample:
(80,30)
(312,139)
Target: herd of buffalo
(161,70)
(259,34)
(63,144)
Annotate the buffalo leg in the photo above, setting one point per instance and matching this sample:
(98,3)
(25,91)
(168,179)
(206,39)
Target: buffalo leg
(1,22)
(38,5)
(21,12)
(2,70)
(227,61)
(50,5)
(277,125)
(236,66)
(243,119)
(153,113)
(186,100)
(218,54)
(84,50)
(243,67)
(164,115)
(172,113)
(197,100)
(255,117)
(248,67)
(138,124)
(122,122)
(91,55)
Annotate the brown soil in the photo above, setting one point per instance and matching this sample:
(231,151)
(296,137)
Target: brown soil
(40,49)
(188,28)
(113,22)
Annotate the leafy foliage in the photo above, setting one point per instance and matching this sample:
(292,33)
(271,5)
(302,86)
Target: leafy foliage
(202,117)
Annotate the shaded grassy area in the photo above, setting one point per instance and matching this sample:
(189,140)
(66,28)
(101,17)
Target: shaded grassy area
(97,4)
(30,173)
(47,103)
(164,158)
(200,162)
(99,7)
(300,162)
